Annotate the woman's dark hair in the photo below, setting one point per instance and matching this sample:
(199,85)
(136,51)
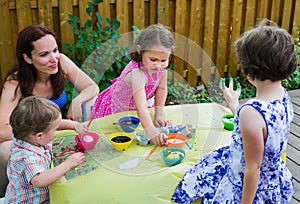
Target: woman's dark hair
(266,52)
(153,35)
(26,74)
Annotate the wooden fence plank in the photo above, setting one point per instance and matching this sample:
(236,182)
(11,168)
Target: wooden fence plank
(66,30)
(181,36)
(24,15)
(122,15)
(287,8)
(45,13)
(82,12)
(6,45)
(224,34)
(163,12)
(250,16)
(296,20)
(55,3)
(209,42)
(194,42)
(236,32)
(153,11)
(276,11)
(139,13)
(264,9)
(171,14)
(104,10)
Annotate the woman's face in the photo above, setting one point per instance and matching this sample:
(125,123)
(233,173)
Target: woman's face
(45,55)
(154,60)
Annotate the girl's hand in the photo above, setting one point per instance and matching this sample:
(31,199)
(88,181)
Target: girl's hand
(75,159)
(156,137)
(80,128)
(159,121)
(231,96)
(160,139)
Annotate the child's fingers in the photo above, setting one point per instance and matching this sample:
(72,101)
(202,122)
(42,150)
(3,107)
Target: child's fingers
(222,83)
(238,87)
(230,82)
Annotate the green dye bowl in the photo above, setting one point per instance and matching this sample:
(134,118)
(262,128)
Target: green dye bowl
(227,120)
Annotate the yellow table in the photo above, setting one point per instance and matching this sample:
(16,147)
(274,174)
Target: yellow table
(151,181)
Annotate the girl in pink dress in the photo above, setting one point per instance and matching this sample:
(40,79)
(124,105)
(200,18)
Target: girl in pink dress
(143,78)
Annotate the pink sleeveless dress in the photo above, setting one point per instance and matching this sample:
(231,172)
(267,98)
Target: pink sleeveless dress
(119,97)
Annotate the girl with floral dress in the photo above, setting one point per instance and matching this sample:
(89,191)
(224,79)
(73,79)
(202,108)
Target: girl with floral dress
(250,169)
(143,78)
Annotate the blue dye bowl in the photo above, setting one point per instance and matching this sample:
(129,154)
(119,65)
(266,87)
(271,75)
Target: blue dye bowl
(129,123)
(172,155)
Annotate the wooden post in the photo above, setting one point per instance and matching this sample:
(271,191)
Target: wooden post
(66,30)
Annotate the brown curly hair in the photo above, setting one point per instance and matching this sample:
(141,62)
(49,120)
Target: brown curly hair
(266,52)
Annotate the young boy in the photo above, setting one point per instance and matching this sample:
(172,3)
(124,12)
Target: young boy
(34,122)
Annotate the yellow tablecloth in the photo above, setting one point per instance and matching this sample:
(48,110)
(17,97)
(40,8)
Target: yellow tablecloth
(151,181)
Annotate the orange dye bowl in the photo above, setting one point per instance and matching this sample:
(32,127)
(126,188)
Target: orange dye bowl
(176,140)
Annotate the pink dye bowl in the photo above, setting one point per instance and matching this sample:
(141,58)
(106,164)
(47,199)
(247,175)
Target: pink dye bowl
(88,141)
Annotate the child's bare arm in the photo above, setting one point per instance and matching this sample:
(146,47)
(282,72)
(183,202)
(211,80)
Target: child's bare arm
(138,82)
(48,177)
(160,99)
(253,129)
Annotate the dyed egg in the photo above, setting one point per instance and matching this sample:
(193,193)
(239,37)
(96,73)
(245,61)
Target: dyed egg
(87,138)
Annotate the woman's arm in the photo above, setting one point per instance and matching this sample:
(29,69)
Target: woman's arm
(8,102)
(253,129)
(86,86)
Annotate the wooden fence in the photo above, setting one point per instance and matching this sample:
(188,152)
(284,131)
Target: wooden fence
(205,29)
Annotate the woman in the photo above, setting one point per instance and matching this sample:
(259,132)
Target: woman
(42,71)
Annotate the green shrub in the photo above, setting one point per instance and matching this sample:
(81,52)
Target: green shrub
(96,49)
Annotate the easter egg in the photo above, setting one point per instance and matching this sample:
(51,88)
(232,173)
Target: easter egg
(87,138)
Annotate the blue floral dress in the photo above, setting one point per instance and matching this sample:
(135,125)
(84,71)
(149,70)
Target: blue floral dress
(218,176)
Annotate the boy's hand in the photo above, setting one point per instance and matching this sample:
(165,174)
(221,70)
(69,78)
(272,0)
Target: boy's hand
(75,159)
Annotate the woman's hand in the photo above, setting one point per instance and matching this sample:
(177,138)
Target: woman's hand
(75,111)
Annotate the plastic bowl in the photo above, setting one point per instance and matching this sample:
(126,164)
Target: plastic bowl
(88,141)
(128,123)
(227,120)
(176,140)
(120,140)
(172,155)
